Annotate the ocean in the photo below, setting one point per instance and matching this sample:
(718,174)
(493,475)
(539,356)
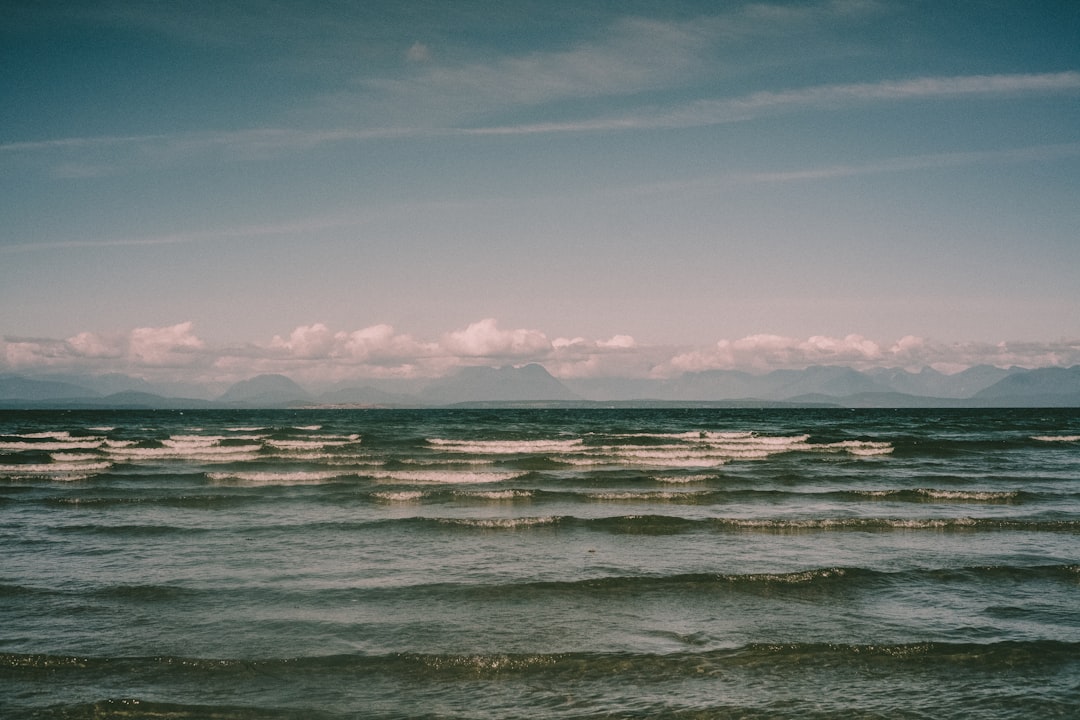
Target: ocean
(540,563)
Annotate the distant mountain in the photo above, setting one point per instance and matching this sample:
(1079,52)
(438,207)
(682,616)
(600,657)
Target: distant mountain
(615,389)
(832,381)
(980,386)
(16,387)
(105,384)
(265,391)
(133,399)
(709,385)
(508,384)
(1044,387)
(931,383)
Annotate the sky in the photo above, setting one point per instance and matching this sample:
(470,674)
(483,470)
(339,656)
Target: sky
(334,190)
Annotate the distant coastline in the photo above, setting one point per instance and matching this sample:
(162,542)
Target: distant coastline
(532,386)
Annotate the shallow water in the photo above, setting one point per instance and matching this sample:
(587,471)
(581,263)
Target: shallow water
(540,563)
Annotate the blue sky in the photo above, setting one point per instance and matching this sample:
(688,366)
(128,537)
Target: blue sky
(336,189)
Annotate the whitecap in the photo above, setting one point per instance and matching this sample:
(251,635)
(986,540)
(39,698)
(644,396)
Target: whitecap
(80,444)
(444,476)
(401,496)
(506,447)
(273,478)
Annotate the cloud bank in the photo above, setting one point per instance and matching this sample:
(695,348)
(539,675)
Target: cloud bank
(318,354)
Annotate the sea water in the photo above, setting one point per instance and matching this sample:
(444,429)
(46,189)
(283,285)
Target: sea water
(681,563)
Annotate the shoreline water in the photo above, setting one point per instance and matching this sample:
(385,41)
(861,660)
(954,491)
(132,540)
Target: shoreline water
(540,563)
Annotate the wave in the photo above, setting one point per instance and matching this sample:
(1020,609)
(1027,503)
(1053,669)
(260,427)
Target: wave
(63,469)
(55,434)
(314,444)
(949,496)
(400,496)
(676,450)
(443,476)
(73,444)
(194,501)
(505,447)
(652,524)
(193,452)
(1013,656)
(1057,438)
(257,478)
(683,585)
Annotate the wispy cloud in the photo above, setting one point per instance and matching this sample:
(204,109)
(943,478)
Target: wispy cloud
(632,56)
(913,163)
(300,227)
(705,112)
(116,153)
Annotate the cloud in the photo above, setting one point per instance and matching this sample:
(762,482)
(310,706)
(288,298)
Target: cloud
(769,352)
(316,353)
(484,339)
(381,344)
(632,55)
(175,345)
(706,112)
(418,52)
(169,347)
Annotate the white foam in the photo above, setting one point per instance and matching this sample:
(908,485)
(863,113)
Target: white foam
(54,468)
(1056,438)
(648,496)
(296,444)
(192,441)
(498,494)
(857,447)
(753,439)
(226,453)
(74,457)
(878,493)
(310,428)
(501,523)
(81,444)
(693,435)
(443,476)
(967,494)
(273,478)
(506,447)
(684,479)
(401,496)
(54,434)
(447,463)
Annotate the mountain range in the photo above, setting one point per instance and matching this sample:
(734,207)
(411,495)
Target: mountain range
(979,386)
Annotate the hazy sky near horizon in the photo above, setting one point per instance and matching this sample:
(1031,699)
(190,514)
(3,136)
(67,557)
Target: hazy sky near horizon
(335,188)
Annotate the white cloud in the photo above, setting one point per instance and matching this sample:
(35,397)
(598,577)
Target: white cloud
(166,346)
(307,341)
(174,346)
(768,352)
(484,339)
(319,354)
(381,344)
(92,345)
